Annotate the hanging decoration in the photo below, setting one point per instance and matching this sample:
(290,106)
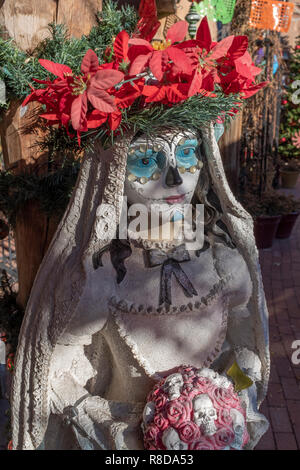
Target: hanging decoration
(214,10)
(271,14)
(206,8)
(192,18)
(224,10)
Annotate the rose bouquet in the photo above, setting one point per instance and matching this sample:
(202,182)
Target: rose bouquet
(194,409)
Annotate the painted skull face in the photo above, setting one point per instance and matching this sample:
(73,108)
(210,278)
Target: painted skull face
(238,427)
(148,413)
(163,171)
(172,441)
(205,414)
(173,385)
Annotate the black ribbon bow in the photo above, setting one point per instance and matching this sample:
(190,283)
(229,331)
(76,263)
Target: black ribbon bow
(170,265)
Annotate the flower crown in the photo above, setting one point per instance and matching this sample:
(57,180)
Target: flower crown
(144,79)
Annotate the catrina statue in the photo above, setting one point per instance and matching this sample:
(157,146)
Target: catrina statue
(109,318)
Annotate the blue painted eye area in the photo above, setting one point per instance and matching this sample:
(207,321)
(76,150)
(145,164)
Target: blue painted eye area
(186,153)
(145,163)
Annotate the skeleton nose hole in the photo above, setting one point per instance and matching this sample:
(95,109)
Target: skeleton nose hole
(173,177)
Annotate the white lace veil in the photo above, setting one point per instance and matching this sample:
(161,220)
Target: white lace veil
(85,228)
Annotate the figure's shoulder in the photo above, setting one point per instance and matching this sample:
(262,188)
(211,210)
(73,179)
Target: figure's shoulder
(231,265)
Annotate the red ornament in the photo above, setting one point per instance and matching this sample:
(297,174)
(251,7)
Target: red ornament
(10,362)
(284,102)
(3,337)
(283,140)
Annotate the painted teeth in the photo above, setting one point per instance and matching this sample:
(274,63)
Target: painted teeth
(155,176)
(143,180)
(131,177)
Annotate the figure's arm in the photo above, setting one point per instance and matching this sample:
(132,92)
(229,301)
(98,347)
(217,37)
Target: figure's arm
(93,309)
(240,343)
(79,417)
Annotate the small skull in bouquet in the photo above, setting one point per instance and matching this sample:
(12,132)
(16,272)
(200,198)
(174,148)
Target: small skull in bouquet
(194,409)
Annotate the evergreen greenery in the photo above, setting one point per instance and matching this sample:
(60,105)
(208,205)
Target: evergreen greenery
(192,113)
(17,68)
(52,190)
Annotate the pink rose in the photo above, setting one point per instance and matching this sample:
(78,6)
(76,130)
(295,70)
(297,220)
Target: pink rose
(222,438)
(149,446)
(224,417)
(187,389)
(188,375)
(178,412)
(152,395)
(223,397)
(188,432)
(151,434)
(161,422)
(160,401)
(203,384)
(202,444)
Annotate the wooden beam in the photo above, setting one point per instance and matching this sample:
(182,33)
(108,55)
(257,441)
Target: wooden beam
(26,21)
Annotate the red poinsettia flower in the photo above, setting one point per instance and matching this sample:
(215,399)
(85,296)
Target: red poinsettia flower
(158,54)
(148,23)
(124,97)
(226,62)
(245,67)
(121,47)
(118,54)
(165,93)
(67,98)
(203,52)
(235,83)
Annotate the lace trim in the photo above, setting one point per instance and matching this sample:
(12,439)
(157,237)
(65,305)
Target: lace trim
(205,301)
(143,362)
(163,245)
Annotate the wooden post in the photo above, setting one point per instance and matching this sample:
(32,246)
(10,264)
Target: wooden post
(26,22)
(19,135)
(230,144)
